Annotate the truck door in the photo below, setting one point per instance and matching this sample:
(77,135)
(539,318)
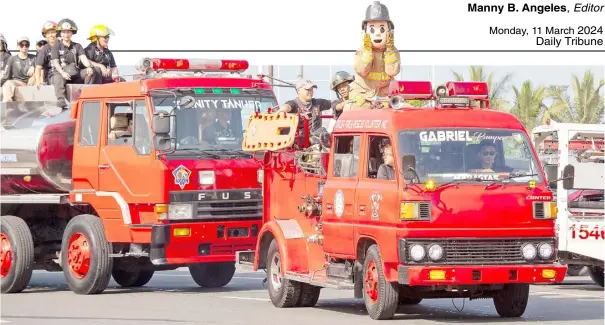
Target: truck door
(339,195)
(127,169)
(376,197)
(86,153)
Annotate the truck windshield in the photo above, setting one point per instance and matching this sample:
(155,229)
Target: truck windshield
(217,121)
(449,154)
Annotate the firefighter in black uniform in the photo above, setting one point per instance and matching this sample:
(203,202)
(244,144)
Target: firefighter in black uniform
(99,54)
(65,57)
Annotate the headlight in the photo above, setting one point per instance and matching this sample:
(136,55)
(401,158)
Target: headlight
(435,252)
(260,174)
(545,251)
(529,251)
(180,211)
(417,252)
(206,177)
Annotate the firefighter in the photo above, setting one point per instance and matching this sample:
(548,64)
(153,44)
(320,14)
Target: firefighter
(40,44)
(304,103)
(64,58)
(43,66)
(4,55)
(19,70)
(377,61)
(99,54)
(340,85)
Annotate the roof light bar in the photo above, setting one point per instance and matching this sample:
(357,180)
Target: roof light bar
(411,89)
(196,65)
(472,89)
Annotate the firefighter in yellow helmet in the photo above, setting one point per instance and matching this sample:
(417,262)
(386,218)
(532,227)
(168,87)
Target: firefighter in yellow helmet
(99,54)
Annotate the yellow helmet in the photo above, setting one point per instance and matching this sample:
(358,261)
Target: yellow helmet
(99,31)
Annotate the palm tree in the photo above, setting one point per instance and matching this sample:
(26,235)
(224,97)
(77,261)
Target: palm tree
(585,107)
(529,106)
(496,88)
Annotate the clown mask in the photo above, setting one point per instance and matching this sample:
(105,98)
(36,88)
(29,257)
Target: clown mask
(378,31)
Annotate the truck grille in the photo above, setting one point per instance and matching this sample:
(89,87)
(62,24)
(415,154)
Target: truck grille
(539,210)
(477,251)
(225,204)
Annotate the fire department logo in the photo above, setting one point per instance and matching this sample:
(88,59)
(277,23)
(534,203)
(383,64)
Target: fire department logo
(376,198)
(181,176)
(66,25)
(339,203)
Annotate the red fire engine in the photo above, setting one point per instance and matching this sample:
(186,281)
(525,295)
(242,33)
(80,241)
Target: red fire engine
(135,177)
(465,212)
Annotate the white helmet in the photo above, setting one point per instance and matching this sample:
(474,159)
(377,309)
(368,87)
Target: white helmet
(2,39)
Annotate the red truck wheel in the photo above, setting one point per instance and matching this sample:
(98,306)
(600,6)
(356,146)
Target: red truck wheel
(284,293)
(17,259)
(85,256)
(309,295)
(380,296)
(511,301)
(131,272)
(212,275)
(596,274)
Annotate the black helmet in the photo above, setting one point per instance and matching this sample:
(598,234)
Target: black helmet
(340,77)
(377,11)
(67,24)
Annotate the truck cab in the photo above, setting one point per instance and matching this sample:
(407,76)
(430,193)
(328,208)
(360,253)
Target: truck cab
(406,204)
(148,173)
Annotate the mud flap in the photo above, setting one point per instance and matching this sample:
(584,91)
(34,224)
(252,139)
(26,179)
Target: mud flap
(358,280)
(270,132)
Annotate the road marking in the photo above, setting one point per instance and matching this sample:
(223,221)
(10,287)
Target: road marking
(4,321)
(549,295)
(244,298)
(235,277)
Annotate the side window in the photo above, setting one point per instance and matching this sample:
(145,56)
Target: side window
(119,131)
(380,153)
(142,129)
(89,124)
(346,156)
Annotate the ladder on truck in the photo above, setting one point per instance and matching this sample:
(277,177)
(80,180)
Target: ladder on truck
(581,214)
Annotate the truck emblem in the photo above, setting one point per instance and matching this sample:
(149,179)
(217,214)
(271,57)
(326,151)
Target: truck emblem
(339,203)
(181,176)
(376,198)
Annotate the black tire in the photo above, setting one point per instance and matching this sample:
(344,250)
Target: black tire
(22,246)
(387,299)
(288,293)
(512,300)
(212,275)
(101,264)
(409,301)
(574,269)
(309,295)
(131,273)
(596,274)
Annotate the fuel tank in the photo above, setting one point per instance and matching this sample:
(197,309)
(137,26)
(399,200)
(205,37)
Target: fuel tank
(36,151)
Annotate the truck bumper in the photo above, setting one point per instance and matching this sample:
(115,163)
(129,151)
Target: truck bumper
(473,275)
(201,242)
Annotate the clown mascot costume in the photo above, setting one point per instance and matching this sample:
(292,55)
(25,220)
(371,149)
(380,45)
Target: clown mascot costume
(377,62)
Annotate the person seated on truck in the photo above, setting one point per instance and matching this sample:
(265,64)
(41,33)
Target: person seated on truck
(43,66)
(19,71)
(386,170)
(487,159)
(120,126)
(64,58)
(99,54)
(40,43)
(4,55)
(308,107)
(340,85)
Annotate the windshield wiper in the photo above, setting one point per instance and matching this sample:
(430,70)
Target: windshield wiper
(233,151)
(198,151)
(501,181)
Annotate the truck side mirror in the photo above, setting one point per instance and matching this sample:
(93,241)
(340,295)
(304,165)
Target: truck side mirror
(408,167)
(551,175)
(161,124)
(162,142)
(568,177)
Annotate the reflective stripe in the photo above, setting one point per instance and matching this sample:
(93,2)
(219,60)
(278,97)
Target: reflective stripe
(366,57)
(390,58)
(121,202)
(378,76)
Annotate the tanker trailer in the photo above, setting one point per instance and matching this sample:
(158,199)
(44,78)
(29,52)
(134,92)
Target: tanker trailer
(36,150)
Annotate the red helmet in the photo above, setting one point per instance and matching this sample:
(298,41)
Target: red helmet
(49,25)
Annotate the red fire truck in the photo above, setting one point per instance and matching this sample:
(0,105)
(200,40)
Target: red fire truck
(135,177)
(466,213)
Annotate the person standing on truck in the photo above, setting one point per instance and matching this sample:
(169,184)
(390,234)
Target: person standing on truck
(308,106)
(64,58)
(4,55)
(99,54)
(19,71)
(341,86)
(49,32)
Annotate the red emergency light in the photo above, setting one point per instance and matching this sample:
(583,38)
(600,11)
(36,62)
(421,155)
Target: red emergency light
(205,65)
(411,89)
(471,89)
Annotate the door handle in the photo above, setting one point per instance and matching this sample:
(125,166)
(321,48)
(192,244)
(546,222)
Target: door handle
(104,166)
(362,208)
(328,206)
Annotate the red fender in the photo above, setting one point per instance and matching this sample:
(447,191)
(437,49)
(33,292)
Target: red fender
(292,251)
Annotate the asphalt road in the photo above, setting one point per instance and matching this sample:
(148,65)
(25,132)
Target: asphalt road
(172,297)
